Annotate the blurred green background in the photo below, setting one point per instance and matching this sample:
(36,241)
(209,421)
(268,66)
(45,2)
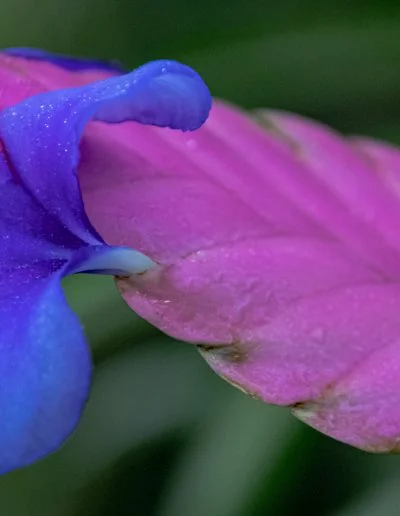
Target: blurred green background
(162,435)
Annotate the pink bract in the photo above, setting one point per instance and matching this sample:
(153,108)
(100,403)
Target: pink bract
(278,255)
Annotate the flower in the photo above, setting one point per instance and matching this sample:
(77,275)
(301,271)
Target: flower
(267,240)
(277,246)
(45,233)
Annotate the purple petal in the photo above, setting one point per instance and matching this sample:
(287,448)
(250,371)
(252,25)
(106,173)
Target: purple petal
(44,366)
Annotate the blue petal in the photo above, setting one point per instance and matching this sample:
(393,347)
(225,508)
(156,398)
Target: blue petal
(44,369)
(48,128)
(44,362)
(67,62)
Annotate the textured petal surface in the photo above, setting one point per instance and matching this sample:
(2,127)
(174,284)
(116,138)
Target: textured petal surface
(312,343)
(362,408)
(232,290)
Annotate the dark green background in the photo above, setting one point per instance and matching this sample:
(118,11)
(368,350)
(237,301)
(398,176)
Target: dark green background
(162,435)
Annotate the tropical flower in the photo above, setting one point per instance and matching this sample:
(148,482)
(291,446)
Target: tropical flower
(45,233)
(267,240)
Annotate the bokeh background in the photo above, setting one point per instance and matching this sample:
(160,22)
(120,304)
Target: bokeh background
(162,435)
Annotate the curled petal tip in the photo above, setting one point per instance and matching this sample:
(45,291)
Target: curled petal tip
(162,93)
